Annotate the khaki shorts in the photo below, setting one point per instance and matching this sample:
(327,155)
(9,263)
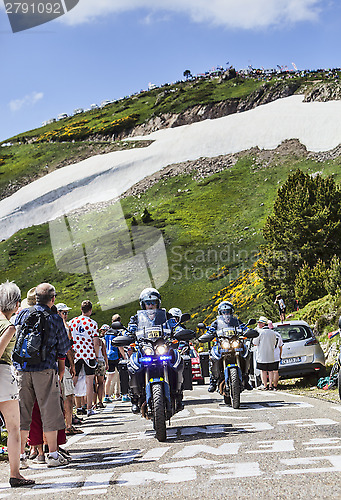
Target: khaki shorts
(68,387)
(100,368)
(43,386)
(8,385)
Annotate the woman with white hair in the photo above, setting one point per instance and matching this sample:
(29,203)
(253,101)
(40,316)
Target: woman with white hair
(10,298)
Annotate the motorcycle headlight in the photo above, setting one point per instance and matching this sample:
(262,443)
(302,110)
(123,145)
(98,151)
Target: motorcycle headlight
(148,351)
(235,343)
(161,349)
(225,344)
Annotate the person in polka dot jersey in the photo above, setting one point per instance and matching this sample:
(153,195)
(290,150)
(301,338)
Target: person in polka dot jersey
(84,331)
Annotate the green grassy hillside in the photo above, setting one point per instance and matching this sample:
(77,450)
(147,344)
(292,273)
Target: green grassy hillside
(211,228)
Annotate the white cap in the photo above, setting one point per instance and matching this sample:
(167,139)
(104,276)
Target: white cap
(62,307)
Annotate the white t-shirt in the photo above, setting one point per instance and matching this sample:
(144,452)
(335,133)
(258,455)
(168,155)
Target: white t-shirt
(279,343)
(83,330)
(265,343)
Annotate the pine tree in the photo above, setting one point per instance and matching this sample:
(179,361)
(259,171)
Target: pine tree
(305,227)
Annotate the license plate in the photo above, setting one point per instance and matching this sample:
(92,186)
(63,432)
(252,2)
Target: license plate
(153,334)
(287,361)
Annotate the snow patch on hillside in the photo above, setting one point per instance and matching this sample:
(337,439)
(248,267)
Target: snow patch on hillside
(317,125)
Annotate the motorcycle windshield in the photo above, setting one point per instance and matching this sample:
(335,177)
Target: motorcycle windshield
(150,332)
(229,331)
(152,319)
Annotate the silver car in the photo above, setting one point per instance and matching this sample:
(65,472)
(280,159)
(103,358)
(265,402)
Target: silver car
(301,353)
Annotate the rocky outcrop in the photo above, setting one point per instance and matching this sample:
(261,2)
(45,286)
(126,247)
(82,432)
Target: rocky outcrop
(265,94)
(323,91)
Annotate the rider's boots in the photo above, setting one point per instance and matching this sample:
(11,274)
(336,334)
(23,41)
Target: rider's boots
(213,384)
(178,402)
(246,383)
(135,404)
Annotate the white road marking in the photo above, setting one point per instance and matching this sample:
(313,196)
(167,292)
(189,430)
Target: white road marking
(274,446)
(308,422)
(335,460)
(193,462)
(234,470)
(119,458)
(96,483)
(334,407)
(254,426)
(193,450)
(323,443)
(210,429)
(77,437)
(284,406)
(154,454)
(225,417)
(104,438)
(144,477)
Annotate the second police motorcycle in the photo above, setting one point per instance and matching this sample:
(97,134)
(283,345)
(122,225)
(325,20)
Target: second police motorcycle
(230,355)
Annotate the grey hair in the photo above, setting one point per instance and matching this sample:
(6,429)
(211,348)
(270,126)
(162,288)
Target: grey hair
(10,294)
(44,293)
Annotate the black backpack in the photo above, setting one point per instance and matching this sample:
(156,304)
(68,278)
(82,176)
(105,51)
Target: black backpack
(30,346)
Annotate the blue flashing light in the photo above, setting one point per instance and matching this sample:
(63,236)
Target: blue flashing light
(146,359)
(165,358)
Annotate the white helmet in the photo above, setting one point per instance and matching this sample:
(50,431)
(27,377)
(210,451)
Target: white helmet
(149,294)
(225,307)
(176,312)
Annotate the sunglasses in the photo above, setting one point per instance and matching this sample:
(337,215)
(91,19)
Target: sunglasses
(64,313)
(151,302)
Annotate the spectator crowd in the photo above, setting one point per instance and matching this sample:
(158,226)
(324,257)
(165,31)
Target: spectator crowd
(42,402)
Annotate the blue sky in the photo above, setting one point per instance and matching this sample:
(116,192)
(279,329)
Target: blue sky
(106,49)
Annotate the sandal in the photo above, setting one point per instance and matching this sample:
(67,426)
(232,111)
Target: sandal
(17,482)
(71,431)
(76,420)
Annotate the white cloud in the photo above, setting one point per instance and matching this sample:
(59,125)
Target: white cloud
(27,100)
(245,14)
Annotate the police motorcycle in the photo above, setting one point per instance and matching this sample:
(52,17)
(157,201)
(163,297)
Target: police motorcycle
(232,355)
(156,361)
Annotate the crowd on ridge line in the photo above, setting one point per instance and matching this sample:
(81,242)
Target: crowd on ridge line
(37,400)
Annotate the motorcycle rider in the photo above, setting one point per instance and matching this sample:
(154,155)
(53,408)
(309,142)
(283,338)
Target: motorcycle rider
(225,319)
(176,313)
(151,314)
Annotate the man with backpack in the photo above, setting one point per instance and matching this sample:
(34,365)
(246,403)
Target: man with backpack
(42,341)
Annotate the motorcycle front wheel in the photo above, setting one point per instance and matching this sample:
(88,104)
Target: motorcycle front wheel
(159,413)
(234,388)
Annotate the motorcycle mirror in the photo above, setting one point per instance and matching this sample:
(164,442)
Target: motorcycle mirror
(185,317)
(251,322)
(251,334)
(207,337)
(185,335)
(201,326)
(122,340)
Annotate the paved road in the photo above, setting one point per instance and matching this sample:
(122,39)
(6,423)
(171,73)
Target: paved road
(275,446)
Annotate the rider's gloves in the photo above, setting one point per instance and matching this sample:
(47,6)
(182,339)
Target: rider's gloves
(211,329)
(132,328)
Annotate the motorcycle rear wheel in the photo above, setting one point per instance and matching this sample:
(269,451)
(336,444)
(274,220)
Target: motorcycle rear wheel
(234,388)
(159,413)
